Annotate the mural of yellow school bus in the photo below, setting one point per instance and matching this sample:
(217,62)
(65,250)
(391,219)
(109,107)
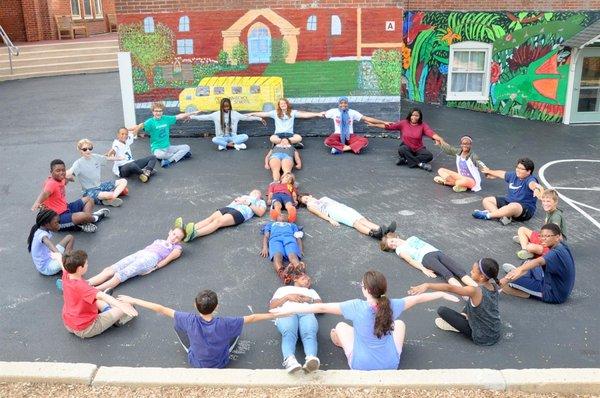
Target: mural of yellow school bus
(254,93)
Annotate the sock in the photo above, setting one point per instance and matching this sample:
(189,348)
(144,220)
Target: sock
(96,218)
(292,214)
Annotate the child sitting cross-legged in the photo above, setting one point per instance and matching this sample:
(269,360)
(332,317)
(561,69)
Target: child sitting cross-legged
(283,194)
(88,311)
(154,256)
(39,242)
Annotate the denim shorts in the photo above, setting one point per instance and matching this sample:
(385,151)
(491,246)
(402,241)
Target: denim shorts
(66,218)
(280,156)
(284,135)
(106,186)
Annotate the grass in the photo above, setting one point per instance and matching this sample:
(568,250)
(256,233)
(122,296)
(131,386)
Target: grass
(316,78)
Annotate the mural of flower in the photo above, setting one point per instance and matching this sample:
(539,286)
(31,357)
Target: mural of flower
(496,70)
(450,36)
(405,56)
(415,26)
(443,68)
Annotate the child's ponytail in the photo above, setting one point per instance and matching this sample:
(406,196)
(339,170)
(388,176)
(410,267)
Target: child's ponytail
(42,218)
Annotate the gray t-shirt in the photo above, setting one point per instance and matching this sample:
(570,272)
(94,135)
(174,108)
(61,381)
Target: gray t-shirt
(88,170)
(486,327)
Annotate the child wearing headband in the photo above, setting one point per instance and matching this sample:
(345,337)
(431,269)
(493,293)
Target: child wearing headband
(480,319)
(468,165)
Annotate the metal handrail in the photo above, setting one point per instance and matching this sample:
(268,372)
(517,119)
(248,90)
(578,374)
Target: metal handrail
(12,49)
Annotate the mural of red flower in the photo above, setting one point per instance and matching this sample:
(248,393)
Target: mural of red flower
(526,54)
(496,70)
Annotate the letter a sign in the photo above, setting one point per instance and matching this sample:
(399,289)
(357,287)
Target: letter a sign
(390,26)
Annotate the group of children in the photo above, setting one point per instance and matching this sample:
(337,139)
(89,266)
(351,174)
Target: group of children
(374,341)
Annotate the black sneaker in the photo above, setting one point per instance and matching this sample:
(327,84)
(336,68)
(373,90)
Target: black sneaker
(425,166)
(376,233)
(299,145)
(391,227)
(401,162)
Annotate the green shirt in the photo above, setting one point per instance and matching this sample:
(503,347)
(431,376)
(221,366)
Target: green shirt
(556,217)
(159,131)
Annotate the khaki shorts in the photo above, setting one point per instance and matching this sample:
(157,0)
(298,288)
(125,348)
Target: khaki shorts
(102,322)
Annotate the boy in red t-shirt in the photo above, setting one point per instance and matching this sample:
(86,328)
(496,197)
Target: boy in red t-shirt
(78,213)
(82,302)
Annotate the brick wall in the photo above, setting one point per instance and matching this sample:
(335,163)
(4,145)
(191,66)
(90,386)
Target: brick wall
(11,19)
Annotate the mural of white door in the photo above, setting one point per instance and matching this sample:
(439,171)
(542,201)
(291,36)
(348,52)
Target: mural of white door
(586,87)
(259,45)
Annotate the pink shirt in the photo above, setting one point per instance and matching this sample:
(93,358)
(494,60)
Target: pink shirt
(57,200)
(79,308)
(412,134)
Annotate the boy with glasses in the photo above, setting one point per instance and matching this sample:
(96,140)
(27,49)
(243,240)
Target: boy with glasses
(549,278)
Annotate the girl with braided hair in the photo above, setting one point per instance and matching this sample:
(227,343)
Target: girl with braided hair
(39,243)
(374,341)
(297,290)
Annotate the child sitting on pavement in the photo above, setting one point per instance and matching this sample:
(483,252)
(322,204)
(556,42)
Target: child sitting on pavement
(78,213)
(531,244)
(207,339)
(88,170)
(39,243)
(121,149)
(154,256)
(88,311)
(283,194)
(468,166)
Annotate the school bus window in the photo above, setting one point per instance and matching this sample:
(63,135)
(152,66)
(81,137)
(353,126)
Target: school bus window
(202,91)
(236,90)
(254,89)
(219,90)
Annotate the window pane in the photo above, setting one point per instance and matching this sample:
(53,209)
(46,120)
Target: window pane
(477,61)
(149,25)
(461,61)
(184,24)
(459,82)
(219,90)
(336,25)
(202,91)
(311,24)
(87,7)
(475,82)
(75,7)
(236,90)
(590,72)
(98,8)
(254,89)
(588,100)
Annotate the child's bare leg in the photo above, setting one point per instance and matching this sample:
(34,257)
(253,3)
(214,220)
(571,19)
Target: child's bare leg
(489,203)
(296,138)
(464,182)
(277,262)
(223,220)
(447,175)
(274,139)
(275,166)
(364,226)
(535,249)
(524,235)
(101,305)
(103,276)
(67,242)
(287,165)
(510,210)
(208,220)
(121,184)
(291,210)
(86,215)
(343,336)
(511,291)
(294,260)
(454,282)
(109,284)
(467,280)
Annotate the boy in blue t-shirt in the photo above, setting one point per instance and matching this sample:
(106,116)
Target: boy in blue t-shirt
(207,339)
(282,240)
(549,278)
(520,202)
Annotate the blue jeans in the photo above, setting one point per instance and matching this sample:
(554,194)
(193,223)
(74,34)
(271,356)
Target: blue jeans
(226,139)
(289,326)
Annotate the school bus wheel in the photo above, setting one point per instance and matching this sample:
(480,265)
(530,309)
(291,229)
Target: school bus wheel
(268,106)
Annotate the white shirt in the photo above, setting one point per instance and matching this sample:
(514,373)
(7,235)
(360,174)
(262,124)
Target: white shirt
(122,150)
(285,124)
(304,291)
(336,115)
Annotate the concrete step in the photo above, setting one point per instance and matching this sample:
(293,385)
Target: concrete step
(60,52)
(60,66)
(67,45)
(58,58)
(59,72)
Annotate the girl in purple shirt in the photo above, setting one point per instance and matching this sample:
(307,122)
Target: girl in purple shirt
(156,255)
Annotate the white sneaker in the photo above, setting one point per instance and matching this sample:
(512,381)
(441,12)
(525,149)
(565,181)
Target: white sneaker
(88,227)
(505,220)
(311,364)
(442,324)
(506,267)
(516,239)
(221,148)
(291,364)
(239,146)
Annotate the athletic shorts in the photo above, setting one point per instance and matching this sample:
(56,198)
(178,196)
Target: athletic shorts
(285,245)
(66,218)
(283,198)
(106,186)
(238,217)
(535,239)
(53,267)
(281,156)
(532,283)
(284,135)
(524,216)
(343,214)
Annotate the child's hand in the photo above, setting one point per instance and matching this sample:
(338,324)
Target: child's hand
(263,121)
(429,273)
(126,299)
(422,288)
(36,207)
(129,310)
(264,252)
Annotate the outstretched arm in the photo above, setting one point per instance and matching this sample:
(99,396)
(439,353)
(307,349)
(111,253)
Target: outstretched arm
(40,199)
(417,265)
(299,308)
(259,114)
(371,120)
(324,216)
(174,255)
(297,160)
(267,156)
(473,292)
(183,116)
(411,301)
(520,271)
(308,115)
(258,317)
(124,306)
(148,304)
(494,173)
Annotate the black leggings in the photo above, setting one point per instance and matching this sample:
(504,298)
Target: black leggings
(414,158)
(456,320)
(137,166)
(443,265)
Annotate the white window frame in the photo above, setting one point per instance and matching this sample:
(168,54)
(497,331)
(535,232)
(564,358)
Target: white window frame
(149,25)
(185,46)
(98,10)
(311,23)
(184,24)
(73,14)
(91,14)
(468,46)
(336,25)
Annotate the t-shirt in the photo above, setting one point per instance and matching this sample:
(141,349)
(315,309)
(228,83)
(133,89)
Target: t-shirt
(324,204)
(412,134)
(122,150)
(559,274)
(285,124)
(88,171)
(463,168)
(79,309)
(245,210)
(415,248)
(336,115)
(209,340)
(280,229)
(39,251)
(159,131)
(370,352)
(519,191)
(57,200)
(279,187)
(162,248)
(285,290)
(556,217)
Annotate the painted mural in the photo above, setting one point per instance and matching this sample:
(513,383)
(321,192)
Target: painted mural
(529,68)
(303,52)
